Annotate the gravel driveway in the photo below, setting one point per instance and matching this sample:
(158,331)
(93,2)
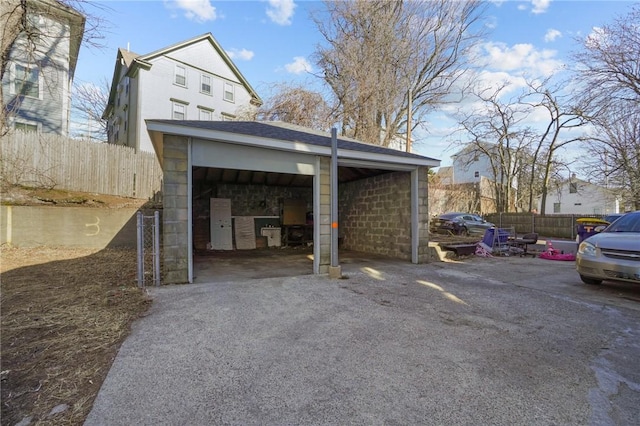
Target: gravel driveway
(500,341)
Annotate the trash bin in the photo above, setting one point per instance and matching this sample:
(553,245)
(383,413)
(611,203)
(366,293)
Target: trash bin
(494,237)
(586,227)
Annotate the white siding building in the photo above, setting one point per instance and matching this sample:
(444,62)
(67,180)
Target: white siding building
(191,80)
(576,196)
(36,85)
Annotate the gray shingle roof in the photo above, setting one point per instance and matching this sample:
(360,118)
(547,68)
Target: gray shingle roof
(291,133)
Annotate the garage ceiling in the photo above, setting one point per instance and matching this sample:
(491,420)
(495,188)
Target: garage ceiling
(249,177)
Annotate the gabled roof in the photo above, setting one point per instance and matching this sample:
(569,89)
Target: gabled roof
(133,62)
(143,60)
(283,136)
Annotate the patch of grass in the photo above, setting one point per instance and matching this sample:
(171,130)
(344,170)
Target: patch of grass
(64,314)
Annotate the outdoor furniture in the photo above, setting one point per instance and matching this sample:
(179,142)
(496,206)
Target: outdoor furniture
(523,242)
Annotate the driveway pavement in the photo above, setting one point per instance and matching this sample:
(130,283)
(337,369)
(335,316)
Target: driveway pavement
(503,341)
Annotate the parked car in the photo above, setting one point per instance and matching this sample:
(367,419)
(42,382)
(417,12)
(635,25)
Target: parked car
(459,224)
(613,254)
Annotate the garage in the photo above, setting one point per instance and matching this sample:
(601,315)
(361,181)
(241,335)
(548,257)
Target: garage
(252,176)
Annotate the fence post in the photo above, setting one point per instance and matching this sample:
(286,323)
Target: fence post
(156,248)
(140,235)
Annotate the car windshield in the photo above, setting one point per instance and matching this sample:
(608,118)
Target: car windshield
(627,223)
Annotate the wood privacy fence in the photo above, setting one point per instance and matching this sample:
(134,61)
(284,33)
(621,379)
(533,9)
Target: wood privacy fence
(52,161)
(556,225)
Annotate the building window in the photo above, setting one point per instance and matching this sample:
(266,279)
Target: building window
(205,84)
(476,174)
(573,187)
(27,82)
(179,111)
(227,117)
(556,207)
(228,92)
(181,76)
(26,127)
(204,114)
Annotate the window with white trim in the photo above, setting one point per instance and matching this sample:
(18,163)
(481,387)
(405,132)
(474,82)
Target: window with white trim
(179,111)
(27,81)
(227,117)
(205,84)
(229,94)
(556,207)
(25,127)
(180,76)
(204,114)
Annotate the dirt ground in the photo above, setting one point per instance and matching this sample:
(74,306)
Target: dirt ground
(23,196)
(64,314)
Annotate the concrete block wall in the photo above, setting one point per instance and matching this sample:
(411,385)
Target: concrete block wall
(175,232)
(423,215)
(375,215)
(325,215)
(261,200)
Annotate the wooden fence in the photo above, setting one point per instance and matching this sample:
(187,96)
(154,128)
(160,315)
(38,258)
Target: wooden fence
(556,225)
(51,161)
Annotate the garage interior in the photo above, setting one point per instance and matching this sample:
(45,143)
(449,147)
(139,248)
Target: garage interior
(270,221)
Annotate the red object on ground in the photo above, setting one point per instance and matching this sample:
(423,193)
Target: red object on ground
(553,254)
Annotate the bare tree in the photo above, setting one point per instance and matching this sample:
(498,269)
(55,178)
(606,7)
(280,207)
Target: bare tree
(614,153)
(496,133)
(382,57)
(89,101)
(609,63)
(24,36)
(297,105)
(562,120)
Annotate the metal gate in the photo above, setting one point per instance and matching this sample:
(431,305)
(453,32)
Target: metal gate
(148,249)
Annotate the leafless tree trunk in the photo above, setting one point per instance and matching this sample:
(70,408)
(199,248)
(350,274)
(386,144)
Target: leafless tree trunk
(494,133)
(378,51)
(562,118)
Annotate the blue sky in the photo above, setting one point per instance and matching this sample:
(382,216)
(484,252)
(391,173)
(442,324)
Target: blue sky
(272,41)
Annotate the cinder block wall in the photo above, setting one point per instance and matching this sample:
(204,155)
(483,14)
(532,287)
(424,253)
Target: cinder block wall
(175,213)
(375,215)
(325,215)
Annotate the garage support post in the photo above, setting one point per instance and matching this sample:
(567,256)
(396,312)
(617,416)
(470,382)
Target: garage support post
(334,270)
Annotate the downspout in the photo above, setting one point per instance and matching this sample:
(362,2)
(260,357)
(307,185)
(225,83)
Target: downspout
(189,211)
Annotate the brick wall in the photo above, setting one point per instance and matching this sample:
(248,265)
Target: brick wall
(375,215)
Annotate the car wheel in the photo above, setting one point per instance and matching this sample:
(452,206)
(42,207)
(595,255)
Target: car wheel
(590,281)
(463,231)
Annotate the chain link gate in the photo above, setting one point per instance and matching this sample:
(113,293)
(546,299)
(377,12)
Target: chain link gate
(148,249)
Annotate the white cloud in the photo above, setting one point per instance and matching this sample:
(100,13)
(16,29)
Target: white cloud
(551,35)
(537,6)
(523,58)
(195,10)
(298,66)
(242,54)
(281,11)
(540,6)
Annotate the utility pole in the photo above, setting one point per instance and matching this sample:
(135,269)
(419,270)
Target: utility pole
(409,113)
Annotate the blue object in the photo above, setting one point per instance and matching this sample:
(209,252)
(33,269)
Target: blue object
(490,238)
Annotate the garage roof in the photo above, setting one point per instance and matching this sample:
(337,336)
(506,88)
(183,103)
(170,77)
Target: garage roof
(282,136)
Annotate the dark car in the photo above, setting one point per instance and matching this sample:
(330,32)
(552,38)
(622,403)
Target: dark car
(459,224)
(613,254)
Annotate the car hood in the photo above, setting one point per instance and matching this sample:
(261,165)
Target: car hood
(616,240)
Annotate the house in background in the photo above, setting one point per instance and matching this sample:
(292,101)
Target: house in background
(470,183)
(36,86)
(576,196)
(191,80)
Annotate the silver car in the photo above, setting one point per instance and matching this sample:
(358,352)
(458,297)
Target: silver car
(613,254)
